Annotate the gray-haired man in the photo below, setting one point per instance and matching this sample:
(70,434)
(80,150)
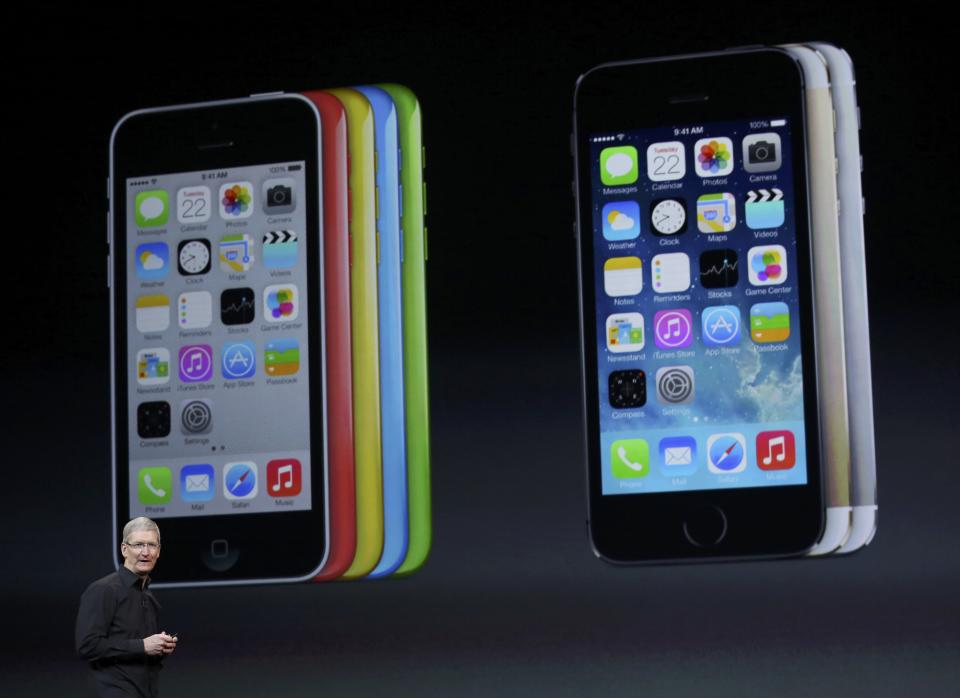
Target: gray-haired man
(119,619)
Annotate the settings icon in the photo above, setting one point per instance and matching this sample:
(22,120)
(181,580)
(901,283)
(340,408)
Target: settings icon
(675,384)
(196,417)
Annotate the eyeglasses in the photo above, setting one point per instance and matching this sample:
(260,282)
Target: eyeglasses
(138,547)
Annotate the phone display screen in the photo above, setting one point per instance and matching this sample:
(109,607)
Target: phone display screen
(218,380)
(698,338)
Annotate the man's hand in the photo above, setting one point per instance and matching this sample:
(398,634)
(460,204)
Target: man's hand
(159,644)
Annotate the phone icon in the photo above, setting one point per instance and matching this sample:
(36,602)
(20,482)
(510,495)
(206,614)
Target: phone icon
(240,480)
(776,450)
(630,458)
(154,485)
(623,276)
(621,220)
(726,453)
(151,209)
(714,157)
(618,165)
(152,260)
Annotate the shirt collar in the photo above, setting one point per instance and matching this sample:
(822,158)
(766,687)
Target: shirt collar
(131,579)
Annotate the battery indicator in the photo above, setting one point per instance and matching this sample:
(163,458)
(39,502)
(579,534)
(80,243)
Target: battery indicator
(778,122)
(293,168)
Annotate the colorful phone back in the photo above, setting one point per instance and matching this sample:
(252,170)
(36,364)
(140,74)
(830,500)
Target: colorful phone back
(414,246)
(364,332)
(336,283)
(391,334)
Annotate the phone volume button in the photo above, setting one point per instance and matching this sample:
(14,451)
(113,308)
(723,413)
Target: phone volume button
(109,272)
(109,230)
(425,243)
(424,198)
(400,199)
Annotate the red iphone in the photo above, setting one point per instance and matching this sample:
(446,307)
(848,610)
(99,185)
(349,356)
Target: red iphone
(336,268)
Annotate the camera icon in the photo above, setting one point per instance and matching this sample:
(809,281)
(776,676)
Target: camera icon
(279,196)
(762,152)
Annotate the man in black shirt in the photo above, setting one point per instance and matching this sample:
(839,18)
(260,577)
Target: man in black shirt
(119,619)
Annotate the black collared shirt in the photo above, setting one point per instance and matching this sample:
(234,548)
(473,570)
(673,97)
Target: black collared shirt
(116,614)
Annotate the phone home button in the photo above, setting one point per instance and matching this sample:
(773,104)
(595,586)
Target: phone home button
(705,527)
(221,557)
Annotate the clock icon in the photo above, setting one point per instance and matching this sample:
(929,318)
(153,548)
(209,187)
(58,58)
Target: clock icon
(193,257)
(668,216)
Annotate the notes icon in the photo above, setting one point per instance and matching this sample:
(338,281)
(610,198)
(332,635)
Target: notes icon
(776,450)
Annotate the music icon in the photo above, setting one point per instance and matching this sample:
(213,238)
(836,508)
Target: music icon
(673,329)
(776,450)
(196,363)
(283,477)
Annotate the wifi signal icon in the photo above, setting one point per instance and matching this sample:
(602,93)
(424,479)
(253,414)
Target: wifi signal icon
(619,136)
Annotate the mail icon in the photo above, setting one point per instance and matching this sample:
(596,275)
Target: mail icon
(678,455)
(197,483)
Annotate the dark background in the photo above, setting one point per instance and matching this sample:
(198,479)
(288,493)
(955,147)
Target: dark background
(512,600)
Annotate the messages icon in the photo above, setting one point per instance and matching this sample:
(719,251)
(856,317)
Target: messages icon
(619,165)
(151,208)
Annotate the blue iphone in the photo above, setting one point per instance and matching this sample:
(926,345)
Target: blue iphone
(392,422)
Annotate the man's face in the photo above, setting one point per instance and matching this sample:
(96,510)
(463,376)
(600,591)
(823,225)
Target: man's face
(140,551)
